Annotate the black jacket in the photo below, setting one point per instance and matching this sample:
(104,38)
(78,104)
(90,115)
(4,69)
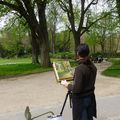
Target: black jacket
(83,86)
(84,79)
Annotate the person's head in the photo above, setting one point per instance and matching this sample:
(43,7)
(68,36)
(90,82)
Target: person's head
(83,50)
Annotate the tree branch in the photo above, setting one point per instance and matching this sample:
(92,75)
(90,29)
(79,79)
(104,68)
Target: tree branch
(16,13)
(71,15)
(11,6)
(91,3)
(95,2)
(82,16)
(87,28)
(18,2)
(68,27)
(118,7)
(63,6)
(7,28)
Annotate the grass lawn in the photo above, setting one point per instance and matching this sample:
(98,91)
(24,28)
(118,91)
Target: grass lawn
(19,66)
(22,66)
(113,70)
(15,61)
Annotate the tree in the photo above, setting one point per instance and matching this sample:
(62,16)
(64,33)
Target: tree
(52,19)
(91,40)
(104,34)
(118,7)
(27,10)
(15,39)
(115,4)
(78,29)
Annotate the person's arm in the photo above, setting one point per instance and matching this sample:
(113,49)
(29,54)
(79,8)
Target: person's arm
(77,84)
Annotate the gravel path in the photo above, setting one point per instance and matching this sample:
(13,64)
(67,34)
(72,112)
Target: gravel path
(42,90)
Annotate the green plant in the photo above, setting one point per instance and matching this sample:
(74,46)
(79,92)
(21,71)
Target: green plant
(63,55)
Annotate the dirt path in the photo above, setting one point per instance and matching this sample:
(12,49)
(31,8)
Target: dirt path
(42,90)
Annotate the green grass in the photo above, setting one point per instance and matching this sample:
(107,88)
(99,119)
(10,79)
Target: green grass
(21,69)
(15,60)
(113,70)
(22,66)
(19,66)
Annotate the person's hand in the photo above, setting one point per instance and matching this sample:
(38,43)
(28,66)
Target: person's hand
(64,83)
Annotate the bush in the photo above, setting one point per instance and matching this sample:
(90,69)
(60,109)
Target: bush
(116,55)
(108,55)
(95,54)
(63,55)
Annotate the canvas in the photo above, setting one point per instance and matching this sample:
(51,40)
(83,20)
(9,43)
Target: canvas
(63,70)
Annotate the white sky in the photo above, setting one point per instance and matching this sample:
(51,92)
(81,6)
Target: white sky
(2,22)
(5,19)
(99,7)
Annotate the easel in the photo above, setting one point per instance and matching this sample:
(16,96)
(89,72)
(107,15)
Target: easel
(28,115)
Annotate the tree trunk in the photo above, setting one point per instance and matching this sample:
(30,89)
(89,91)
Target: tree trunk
(117,43)
(110,47)
(44,46)
(77,41)
(35,49)
(102,47)
(118,7)
(53,39)
(94,49)
(39,29)
(45,61)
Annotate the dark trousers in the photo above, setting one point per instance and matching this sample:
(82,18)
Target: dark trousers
(82,108)
(86,113)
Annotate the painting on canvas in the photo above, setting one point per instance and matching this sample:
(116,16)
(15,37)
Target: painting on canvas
(63,70)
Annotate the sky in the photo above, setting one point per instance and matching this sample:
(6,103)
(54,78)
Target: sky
(2,22)
(99,7)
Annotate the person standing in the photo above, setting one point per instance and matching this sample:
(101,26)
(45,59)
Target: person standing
(83,87)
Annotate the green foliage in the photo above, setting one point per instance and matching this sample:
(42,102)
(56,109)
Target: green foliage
(106,55)
(113,55)
(63,55)
(103,34)
(64,42)
(14,40)
(114,70)
(4,10)
(96,54)
(117,55)
(73,63)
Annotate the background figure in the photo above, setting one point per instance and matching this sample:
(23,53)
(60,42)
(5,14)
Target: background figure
(83,97)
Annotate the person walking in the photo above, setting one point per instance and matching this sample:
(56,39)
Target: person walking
(83,87)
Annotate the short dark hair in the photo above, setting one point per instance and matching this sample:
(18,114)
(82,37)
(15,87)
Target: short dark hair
(83,50)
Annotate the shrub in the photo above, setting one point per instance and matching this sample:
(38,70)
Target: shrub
(108,55)
(63,55)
